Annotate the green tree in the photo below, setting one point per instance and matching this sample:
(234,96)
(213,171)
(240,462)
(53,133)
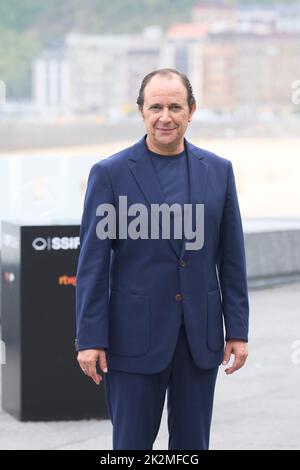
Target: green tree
(16,54)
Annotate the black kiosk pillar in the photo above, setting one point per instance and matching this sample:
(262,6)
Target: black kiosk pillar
(41,379)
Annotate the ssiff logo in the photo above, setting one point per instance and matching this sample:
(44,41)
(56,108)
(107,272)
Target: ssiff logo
(56,243)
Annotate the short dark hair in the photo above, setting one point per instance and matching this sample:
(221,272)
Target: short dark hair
(167,72)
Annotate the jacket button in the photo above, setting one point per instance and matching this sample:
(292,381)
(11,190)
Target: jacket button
(178,297)
(182,263)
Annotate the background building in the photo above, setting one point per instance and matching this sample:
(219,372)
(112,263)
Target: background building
(240,59)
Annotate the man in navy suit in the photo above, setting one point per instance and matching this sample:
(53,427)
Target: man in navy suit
(151,308)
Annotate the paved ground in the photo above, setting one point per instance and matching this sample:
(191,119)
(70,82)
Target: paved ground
(257,408)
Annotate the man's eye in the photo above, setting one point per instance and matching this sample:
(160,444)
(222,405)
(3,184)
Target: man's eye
(155,108)
(176,107)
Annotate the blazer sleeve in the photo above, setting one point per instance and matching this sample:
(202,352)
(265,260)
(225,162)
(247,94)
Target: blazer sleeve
(232,266)
(92,278)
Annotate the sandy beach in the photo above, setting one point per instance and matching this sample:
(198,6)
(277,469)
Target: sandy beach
(267,171)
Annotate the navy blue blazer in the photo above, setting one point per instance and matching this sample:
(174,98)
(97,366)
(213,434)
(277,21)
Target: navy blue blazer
(127,290)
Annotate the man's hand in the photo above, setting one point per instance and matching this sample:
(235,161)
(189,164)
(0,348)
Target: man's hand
(240,351)
(88,359)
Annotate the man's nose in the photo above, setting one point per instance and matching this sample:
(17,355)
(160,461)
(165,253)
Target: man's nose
(165,115)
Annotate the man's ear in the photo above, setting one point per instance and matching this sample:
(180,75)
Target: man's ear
(192,111)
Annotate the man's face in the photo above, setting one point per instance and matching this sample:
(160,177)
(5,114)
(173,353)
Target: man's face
(166,113)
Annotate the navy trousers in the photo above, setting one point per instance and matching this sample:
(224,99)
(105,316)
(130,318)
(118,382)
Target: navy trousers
(135,403)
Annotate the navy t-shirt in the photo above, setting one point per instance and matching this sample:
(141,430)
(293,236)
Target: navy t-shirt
(173,176)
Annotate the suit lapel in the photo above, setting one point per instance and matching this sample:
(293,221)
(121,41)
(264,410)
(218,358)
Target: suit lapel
(198,171)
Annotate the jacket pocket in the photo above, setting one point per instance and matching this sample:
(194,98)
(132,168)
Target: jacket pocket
(129,324)
(215,330)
